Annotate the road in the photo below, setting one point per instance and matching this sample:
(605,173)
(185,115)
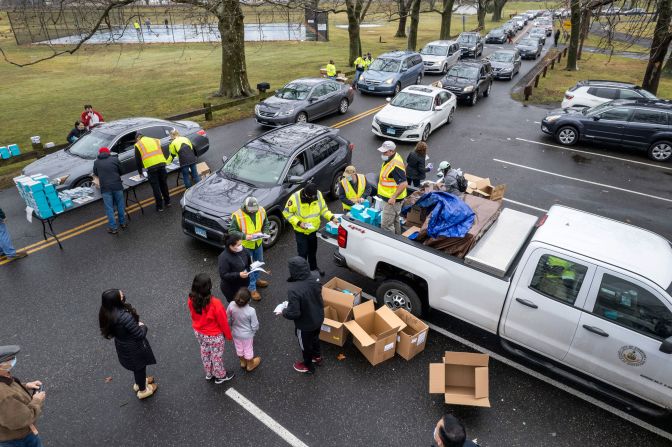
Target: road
(51,299)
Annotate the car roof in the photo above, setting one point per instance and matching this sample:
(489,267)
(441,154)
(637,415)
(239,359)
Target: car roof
(619,244)
(117,126)
(476,64)
(397,54)
(505,51)
(441,43)
(311,81)
(425,90)
(660,104)
(287,139)
(606,83)
(467,33)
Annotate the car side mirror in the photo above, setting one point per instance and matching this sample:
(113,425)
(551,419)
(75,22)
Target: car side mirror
(666,346)
(312,99)
(596,118)
(294,180)
(388,99)
(224,159)
(438,108)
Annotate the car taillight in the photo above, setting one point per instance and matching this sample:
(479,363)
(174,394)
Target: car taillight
(342,237)
(568,96)
(542,220)
(351,147)
(201,133)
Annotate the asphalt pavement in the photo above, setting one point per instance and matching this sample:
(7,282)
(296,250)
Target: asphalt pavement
(50,302)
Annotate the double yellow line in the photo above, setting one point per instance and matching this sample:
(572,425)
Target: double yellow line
(99,222)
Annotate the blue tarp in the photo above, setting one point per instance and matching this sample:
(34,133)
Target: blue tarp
(450,217)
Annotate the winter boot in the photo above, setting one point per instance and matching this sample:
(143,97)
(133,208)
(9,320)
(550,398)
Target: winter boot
(148,380)
(252,364)
(256,296)
(243,362)
(150,389)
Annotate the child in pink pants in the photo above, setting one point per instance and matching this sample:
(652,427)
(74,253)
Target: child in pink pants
(244,324)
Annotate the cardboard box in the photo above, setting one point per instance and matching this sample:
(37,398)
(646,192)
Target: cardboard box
(337,311)
(482,187)
(414,217)
(410,232)
(413,338)
(374,332)
(462,378)
(203,169)
(333,290)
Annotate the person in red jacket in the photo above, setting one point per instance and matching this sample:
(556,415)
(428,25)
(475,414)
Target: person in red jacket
(211,326)
(91,118)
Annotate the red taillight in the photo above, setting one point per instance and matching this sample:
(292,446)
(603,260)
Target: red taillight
(568,96)
(342,237)
(542,220)
(351,147)
(201,133)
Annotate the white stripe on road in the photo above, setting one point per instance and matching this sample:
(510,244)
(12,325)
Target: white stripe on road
(545,379)
(265,419)
(555,146)
(584,181)
(525,204)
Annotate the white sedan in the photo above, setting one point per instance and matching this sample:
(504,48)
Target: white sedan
(415,113)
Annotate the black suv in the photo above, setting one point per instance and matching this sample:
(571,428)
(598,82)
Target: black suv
(643,124)
(270,167)
(467,80)
(471,44)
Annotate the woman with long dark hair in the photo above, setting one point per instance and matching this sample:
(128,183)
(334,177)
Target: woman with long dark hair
(119,320)
(416,166)
(211,327)
(234,264)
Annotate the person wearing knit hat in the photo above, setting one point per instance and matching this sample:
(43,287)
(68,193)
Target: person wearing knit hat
(107,170)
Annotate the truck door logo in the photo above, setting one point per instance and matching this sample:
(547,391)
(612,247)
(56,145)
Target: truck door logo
(632,355)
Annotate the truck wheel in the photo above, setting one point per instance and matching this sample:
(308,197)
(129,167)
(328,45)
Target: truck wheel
(399,295)
(275,228)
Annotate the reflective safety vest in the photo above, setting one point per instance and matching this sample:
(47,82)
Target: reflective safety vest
(367,62)
(150,152)
(248,227)
(136,25)
(386,184)
(296,212)
(360,63)
(350,192)
(331,70)
(176,144)
(566,266)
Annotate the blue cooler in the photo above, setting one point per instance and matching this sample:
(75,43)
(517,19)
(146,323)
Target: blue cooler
(14,150)
(4,152)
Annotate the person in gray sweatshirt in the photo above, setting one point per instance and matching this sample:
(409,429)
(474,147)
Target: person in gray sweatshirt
(244,324)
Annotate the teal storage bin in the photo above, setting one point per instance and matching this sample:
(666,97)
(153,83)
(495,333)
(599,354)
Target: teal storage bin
(4,152)
(14,150)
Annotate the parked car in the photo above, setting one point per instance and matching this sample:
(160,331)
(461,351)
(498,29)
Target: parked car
(440,55)
(591,93)
(415,113)
(497,35)
(538,33)
(505,63)
(641,124)
(520,18)
(389,73)
(73,166)
(303,100)
(270,167)
(468,80)
(510,26)
(546,24)
(530,48)
(471,44)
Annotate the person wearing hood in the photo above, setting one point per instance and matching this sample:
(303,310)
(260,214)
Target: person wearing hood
(306,308)
(234,265)
(20,404)
(304,211)
(107,169)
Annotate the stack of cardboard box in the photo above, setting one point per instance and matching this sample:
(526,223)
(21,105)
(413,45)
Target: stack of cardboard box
(41,195)
(339,297)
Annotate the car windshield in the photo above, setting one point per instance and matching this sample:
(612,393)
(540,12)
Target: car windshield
(597,109)
(528,42)
(501,57)
(253,165)
(467,38)
(386,65)
(496,32)
(413,102)
(294,90)
(647,94)
(463,72)
(88,145)
(435,50)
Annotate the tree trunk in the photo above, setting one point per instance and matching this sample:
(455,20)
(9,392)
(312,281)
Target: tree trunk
(480,13)
(572,52)
(233,82)
(403,13)
(659,47)
(415,21)
(355,42)
(498,6)
(585,28)
(446,17)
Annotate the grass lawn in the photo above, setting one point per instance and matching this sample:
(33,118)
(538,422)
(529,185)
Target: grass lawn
(593,40)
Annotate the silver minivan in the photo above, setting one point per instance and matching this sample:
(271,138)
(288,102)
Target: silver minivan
(440,55)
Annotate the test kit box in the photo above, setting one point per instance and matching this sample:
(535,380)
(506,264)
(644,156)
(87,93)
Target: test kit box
(337,289)
(462,378)
(374,332)
(337,311)
(413,338)
(482,187)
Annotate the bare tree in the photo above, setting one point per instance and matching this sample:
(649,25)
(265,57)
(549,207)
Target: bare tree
(404,7)
(497,7)
(415,22)
(572,52)
(480,13)
(446,18)
(659,46)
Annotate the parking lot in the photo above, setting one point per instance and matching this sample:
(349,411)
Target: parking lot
(51,300)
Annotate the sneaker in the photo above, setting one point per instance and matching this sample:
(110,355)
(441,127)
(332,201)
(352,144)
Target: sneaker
(300,367)
(208,377)
(317,361)
(112,231)
(229,375)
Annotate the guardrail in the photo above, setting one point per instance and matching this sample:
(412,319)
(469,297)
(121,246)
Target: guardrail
(541,71)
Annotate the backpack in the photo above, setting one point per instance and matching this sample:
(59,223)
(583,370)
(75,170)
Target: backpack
(462,183)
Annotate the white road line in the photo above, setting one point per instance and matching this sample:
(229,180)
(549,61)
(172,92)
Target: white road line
(584,181)
(555,146)
(265,419)
(525,204)
(545,379)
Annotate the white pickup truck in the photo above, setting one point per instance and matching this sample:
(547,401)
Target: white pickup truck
(587,296)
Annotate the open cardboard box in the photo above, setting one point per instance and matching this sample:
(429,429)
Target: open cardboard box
(462,378)
(334,287)
(337,310)
(374,332)
(413,338)
(482,187)
(203,169)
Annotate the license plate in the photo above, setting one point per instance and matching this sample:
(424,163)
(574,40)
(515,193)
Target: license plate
(391,131)
(372,88)
(200,232)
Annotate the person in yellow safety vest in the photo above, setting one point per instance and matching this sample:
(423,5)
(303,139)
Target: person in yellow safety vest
(560,268)
(331,70)
(149,156)
(182,149)
(367,61)
(360,66)
(304,211)
(353,188)
(250,222)
(392,185)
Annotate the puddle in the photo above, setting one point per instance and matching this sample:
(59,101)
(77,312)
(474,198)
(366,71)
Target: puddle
(580,159)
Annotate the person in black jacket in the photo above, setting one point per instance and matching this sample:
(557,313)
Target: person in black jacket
(306,308)
(76,132)
(450,432)
(234,263)
(416,170)
(108,170)
(120,321)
